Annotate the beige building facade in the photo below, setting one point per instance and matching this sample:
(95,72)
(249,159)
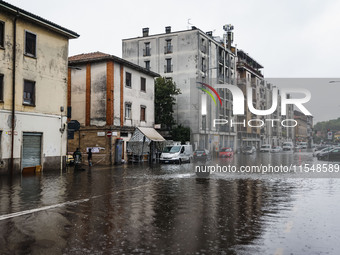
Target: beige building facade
(33,90)
(109,97)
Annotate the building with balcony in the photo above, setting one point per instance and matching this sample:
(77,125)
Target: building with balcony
(249,77)
(109,97)
(304,128)
(33,91)
(190,58)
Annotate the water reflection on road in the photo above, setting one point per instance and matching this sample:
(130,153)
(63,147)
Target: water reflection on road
(166,209)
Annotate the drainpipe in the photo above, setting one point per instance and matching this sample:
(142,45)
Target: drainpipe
(13,90)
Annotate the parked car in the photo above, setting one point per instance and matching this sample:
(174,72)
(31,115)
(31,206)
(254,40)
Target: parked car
(249,150)
(226,152)
(320,147)
(176,154)
(265,148)
(303,145)
(287,146)
(201,155)
(317,152)
(332,155)
(276,149)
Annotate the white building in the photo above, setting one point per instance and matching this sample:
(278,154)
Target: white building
(33,90)
(189,57)
(108,94)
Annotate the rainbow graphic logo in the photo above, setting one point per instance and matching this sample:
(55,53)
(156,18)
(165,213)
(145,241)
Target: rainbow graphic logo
(209,93)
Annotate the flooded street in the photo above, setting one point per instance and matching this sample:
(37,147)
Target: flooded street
(166,209)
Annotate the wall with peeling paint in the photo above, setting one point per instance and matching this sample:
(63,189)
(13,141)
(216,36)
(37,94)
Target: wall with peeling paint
(49,72)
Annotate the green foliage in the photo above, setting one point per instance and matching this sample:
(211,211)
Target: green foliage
(165,92)
(181,134)
(333,125)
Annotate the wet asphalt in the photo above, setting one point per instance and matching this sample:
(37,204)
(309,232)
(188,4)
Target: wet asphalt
(168,209)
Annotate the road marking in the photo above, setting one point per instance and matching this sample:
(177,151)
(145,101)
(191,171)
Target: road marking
(17,214)
(44,208)
(279,251)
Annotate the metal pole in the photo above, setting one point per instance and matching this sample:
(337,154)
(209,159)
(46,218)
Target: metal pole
(13,92)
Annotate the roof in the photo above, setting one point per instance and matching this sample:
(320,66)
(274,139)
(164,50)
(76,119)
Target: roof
(36,19)
(88,56)
(243,55)
(151,133)
(193,29)
(100,56)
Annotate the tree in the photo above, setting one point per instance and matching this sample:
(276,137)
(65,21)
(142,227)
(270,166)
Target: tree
(181,134)
(165,92)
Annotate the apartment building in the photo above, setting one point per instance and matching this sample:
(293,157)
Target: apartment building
(192,58)
(304,128)
(33,90)
(109,97)
(249,77)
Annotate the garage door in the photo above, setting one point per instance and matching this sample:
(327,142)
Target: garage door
(31,151)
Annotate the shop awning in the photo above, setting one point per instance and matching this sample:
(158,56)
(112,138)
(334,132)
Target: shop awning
(151,134)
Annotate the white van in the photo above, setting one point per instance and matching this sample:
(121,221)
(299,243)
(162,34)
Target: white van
(265,148)
(303,145)
(176,154)
(287,146)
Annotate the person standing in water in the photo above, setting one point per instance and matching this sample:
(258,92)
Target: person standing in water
(89,156)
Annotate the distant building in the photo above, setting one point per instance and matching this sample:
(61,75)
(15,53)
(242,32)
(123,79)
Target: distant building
(304,128)
(33,81)
(108,95)
(190,58)
(249,77)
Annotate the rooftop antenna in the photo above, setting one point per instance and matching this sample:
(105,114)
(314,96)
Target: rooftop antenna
(189,24)
(228,37)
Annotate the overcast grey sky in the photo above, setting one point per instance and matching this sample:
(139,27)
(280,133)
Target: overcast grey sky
(289,38)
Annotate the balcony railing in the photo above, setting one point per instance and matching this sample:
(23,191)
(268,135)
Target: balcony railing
(168,68)
(147,52)
(168,49)
(242,81)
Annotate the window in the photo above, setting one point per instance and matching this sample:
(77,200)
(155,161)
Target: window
(142,113)
(147,64)
(1,87)
(2,34)
(29,92)
(128,79)
(147,50)
(168,46)
(124,134)
(203,65)
(168,66)
(203,47)
(143,84)
(127,110)
(30,44)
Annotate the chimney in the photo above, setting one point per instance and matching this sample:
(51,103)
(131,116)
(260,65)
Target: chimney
(145,32)
(168,30)
(230,37)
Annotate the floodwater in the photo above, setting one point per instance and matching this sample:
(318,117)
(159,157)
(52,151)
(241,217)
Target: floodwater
(166,209)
